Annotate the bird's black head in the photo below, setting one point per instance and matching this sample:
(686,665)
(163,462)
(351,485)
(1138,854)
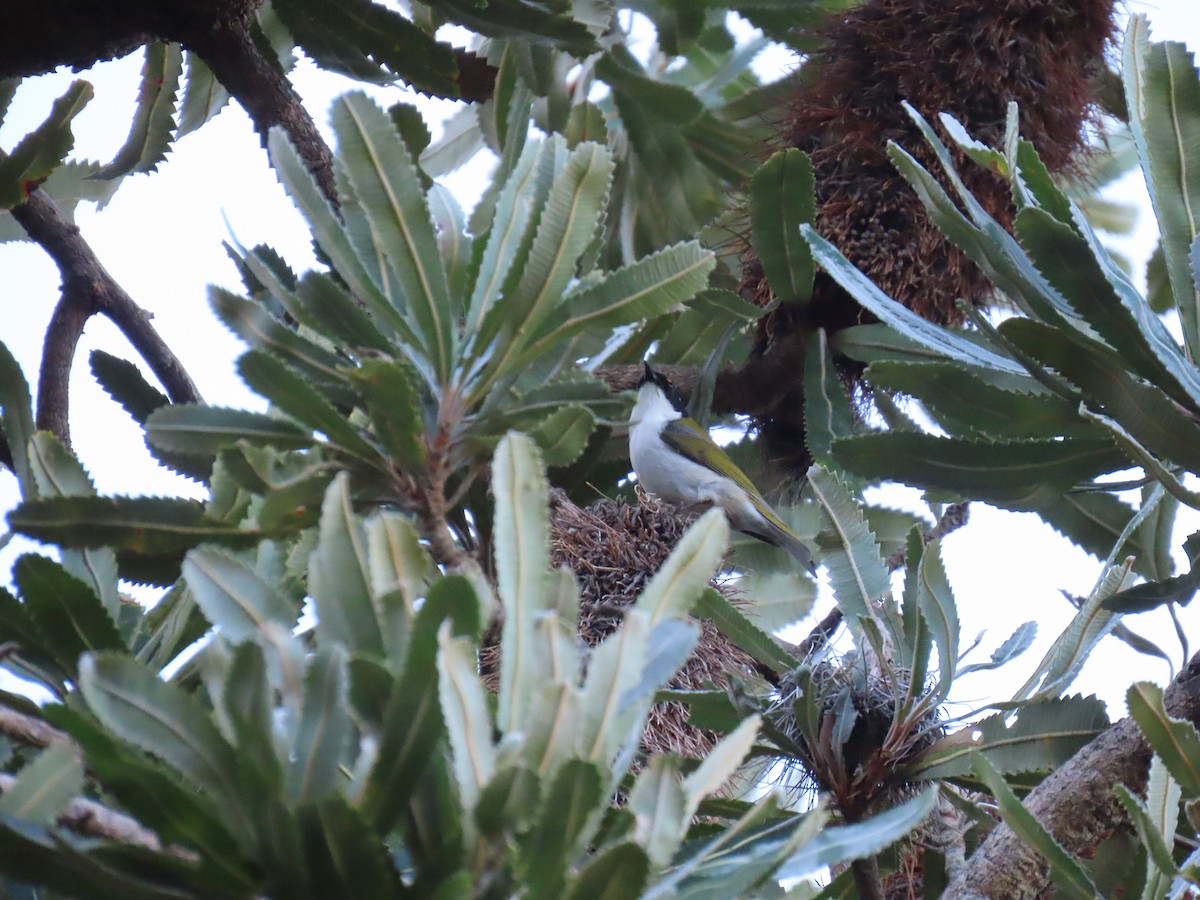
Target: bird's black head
(664,384)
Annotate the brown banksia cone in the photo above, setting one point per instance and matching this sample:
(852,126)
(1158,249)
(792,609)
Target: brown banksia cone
(969,59)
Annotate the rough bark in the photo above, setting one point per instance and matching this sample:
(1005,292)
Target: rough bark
(1076,804)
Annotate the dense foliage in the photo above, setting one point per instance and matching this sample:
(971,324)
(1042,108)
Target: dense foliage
(303,712)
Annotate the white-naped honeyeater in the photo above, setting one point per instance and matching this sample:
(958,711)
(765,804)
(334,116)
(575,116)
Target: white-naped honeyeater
(676,460)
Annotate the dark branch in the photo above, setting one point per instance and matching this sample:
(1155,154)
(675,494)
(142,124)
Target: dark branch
(38,38)
(228,47)
(1075,803)
(88,289)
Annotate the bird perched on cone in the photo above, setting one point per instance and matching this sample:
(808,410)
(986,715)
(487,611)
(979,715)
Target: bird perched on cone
(677,461)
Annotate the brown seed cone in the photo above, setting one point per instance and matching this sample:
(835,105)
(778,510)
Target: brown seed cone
(614,549)
(965,58)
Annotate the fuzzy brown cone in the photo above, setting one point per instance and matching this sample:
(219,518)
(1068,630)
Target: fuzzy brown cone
(965,58)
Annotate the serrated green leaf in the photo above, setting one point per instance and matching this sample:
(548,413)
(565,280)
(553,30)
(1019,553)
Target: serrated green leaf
(1154,840)
(859,577)
(782,196)
(203,95)
(394,404)
(1094,521)
(339,576)
(259,328)
(153,123)
(232,596)
(67,185)
(325,728)
(1065,870)
(155,795)
(522,535)
(742,632)
(344,854)
(1070,650)
(464,705)
(909,324)
(827,410)
(685,575)
(203,430)
(538,22)
(659,806)
(384,180)
(964,401)
(839,844)
(567,810)
(1153,418)
(515,214)
(1153,594)
(45,786)
(1079,268)
(370,42)
(1016,644)
(32,656)
(563,435)
(331,308)
(939,612)
(778,599)
(270,378)
(617,872)
(412,721)
(68,614)
(1016,474)
(1044,735)
(43,149)
(161,719)
(16,418)
(124,382)
(1163,94)
(1175,741)
(981,153)
(146,525)
(643,289)
(330,235)
(573,209)
(58,473)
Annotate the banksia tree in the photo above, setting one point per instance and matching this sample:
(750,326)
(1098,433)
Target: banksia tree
(401,649)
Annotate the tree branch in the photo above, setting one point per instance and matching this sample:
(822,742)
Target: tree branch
(89,819)
(29,731)
(1075,803)
(227,46)
(87,289)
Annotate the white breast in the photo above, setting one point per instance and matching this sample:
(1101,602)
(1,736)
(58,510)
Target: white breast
(659,469)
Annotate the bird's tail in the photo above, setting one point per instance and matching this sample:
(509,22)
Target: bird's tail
(779,535)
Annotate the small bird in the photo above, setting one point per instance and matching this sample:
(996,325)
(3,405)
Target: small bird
(676,460)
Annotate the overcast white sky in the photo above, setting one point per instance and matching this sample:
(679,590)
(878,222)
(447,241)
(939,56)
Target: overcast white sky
(161,238)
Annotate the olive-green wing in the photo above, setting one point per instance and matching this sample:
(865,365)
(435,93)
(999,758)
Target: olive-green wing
(686,437)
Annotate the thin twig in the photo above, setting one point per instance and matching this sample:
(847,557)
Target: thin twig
(88,289)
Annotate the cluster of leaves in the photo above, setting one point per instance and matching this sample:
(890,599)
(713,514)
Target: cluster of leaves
(359,750)
(361,753)
(1046,410)
(1049,409)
